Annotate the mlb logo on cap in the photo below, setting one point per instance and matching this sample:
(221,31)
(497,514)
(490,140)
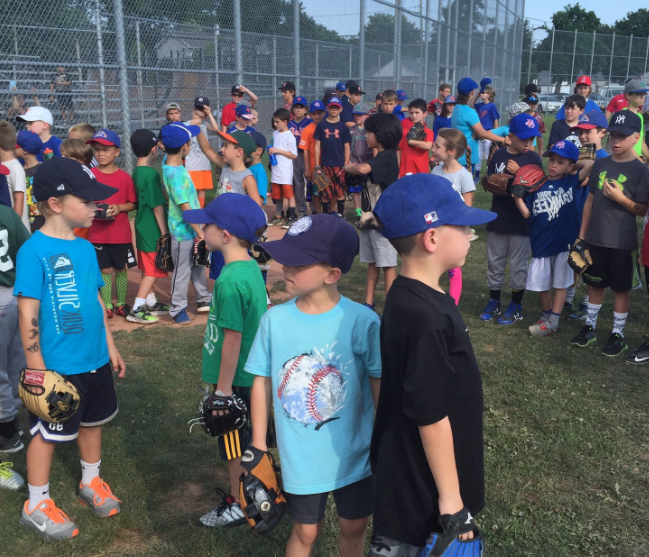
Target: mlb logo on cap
(560,144)
(431,217)
(316,105)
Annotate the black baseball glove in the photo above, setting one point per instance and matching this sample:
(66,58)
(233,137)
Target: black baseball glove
(201,255)
(447,543)
(163,259)
(416,133)
(220,414)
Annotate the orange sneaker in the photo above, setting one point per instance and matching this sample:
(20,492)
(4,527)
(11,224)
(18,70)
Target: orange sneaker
(49,521)
(99,498)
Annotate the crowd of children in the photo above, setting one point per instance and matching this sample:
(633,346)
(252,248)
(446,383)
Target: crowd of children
(412,199)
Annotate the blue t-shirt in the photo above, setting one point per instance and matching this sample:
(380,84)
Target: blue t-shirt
(65,277)
(488,114)
(248,130)
(296,128)
(53,143)
(555,219)
(259,172)
(441,122)
(332,138)
(463,118)
(320,369)
(590,105)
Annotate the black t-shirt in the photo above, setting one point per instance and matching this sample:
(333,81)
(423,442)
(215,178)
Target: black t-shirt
(510,220)
(429,373)
(560,131)
(385,168)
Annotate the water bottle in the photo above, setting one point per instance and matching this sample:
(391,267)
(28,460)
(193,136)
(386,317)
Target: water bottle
(48,154)
(273,158)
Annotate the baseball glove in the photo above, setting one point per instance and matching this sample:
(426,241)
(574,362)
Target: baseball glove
(259,254)
(497,183)
(260,491)
(48,395)
(416,133)
(320,179)
(234,417)
(163,259)
(579,257)
(354,180)
(201,255)
(447,544)
(528,179)
(587,152)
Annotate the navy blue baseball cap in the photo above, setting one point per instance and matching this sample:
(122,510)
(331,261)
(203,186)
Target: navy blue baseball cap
(61,176)
(259,139)
(524,126)
(29,142)
(625,122)
(234,212)
(243,111)
(401,94)
(300,101)
(340,86)
(484,82)
(105,137)
(565,149)
(176,134)
(336,101)
(314,239)
(317,105)
(418,202)
(590,120)
(466,85)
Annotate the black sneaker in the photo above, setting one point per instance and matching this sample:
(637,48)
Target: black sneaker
(640,355)
(585,337)
(567,306)
(13,444)
(615,345)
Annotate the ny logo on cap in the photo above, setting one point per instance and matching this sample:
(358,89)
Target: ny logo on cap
(529,123)
(284,84)
(620,119)
(200,99)
(61,188)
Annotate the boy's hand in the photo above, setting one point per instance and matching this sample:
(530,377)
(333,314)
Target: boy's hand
(272,150)
(613,191)
(512,167)
(117,362)
(113,211)
(195,122)
(207,110)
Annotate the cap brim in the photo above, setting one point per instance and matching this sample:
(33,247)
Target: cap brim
(227,137)
(22,118)
(358,113)
(623,130)
(102,141)
(639,91)
(472,217)
(584,126)
(96,192)
(286,253)
(335,104)
(196,216)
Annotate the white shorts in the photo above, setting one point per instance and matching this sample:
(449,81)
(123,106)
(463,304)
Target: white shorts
(549,272)
(376,249)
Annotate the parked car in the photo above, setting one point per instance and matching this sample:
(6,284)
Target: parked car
(609,92)
(549,103)
(599,100)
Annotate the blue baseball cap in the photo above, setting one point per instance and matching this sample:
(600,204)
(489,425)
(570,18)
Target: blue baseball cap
(29,142)
(466,85)
(301,101)
(592,119)
(317,105)
(484,82)
(236,213)
(401,94)
(243,111)
(418,202)
(105,137)
(177,134)
(335,100)
(340,86)
(314,239)
(565,149)
(524,126)
(259,139)
(450,99)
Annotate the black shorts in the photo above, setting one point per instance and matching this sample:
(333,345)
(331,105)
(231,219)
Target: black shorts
(611,268)
(64,100)
(117,256)
(232,445)
(353,501)
(98,406)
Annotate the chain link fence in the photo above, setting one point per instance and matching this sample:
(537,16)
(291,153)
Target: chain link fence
(125,59)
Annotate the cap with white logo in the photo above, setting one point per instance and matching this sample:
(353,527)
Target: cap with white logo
(61,176)
(625,122)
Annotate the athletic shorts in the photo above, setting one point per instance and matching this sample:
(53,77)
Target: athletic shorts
(375,248)
(98,406)
(117,256)
(382,546)
(611,268)
(355,189)
(545,273)
(64,100)
(146,264)
(232,445)
(281,191)
(353,501)
(337,183)
(202,179)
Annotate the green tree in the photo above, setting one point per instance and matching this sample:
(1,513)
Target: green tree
(635,23)
(576,18)
(380,30)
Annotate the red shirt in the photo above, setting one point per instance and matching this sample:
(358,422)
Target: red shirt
(618,102)
(116,231)
(228,115)
(435,107)
(413,159)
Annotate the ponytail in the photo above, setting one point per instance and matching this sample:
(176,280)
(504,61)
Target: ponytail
(468,165)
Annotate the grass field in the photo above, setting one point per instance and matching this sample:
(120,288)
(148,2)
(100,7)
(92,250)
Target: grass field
(566,446)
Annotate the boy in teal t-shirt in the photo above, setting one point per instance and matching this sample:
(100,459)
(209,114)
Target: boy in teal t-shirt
(231,224)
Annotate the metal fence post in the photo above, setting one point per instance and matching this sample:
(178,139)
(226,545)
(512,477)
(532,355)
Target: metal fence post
(120,39)
(646,56)
(397,43)
(216,67)
(361,46)
(140,89)
(484,38)
(497,18)
(274,70)
(296,42)
(628,64)
(550,68)
(100,59)
(238,53)
(380,88)
(574,52)
(317,66)
(456,33)
(449,15)
(470,38)
(592,54)
(529,63)
(351,74)
(426,48)
(610,67)
(439,41)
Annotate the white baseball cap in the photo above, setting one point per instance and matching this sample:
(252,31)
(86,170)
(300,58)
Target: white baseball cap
(36,113)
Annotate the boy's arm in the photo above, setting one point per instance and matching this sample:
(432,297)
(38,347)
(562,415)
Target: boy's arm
(348,152)
(30,331)
(276,151)
(468,198)
(375,387)
(645,150)
(585,216)
(318,152)
(159,214)
(584,168)
(615,193)
(539,144)
(260,401)
(114,210)
(115,358)
(423,145)
(522,207)
(250,187)
(253,98)
(19,202)
(308,171)
(362,168)
(210,153)
(213,125)
(196,227)
(229,359)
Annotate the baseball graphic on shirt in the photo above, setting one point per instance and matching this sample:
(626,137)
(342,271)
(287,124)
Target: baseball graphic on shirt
(311,389)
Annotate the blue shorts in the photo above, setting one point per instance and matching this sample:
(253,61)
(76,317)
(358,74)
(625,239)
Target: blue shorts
(98,406)
(355,189)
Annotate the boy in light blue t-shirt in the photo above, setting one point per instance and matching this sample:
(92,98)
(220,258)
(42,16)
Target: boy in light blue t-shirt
(318,357)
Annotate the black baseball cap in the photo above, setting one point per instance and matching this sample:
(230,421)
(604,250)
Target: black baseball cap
(531,88)
(625,122)
(236,89)
(142,140)
(355,89)
(287,86)
(61,176)
(200,102)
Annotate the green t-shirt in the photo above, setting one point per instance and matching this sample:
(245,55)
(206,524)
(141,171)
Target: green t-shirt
(13,234)
(149,195)
(238,302)
(638,146)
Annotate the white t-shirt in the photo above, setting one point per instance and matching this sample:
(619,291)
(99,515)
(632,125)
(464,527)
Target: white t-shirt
(195,159)
(282,172)
(462,180)
(16,183)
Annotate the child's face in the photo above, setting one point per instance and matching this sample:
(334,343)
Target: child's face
(304,280)
(259,152)
(77,212)
(38,127)
(573,112)
(453,245)
(444,93)
(559,166)
(280,125)
(388,106)
(450,107)
(173,115)
(440,152)
(636,100)
(198,113)
(583,90)
(105,154)
(287,96)
(213,237)
(354,98)
(255,117)
(186,148)
(484,97)
(372,142)
(621,144)
(533,106)
(236,97)
(20,153)
(230,152)
(593,135)
(299,111)
(334,110)
(317,116)
(521,145)
(417,116)
(359,119)
(242,122)
(378,102)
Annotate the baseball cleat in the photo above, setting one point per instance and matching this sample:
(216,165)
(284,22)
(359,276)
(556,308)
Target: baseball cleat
(640,355)
(49,521)
(141,315)
(8,478)
(491,310)
(513,313)
(585,337)
(615,345)
(98,496)
(541,329)
(158,308)
(227,514)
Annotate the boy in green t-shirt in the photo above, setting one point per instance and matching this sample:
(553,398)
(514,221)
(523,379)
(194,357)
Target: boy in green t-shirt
(231,224)
(150,224)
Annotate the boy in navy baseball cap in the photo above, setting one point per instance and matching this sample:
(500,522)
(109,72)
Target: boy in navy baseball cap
(431,393)
(591,129)
(318,357)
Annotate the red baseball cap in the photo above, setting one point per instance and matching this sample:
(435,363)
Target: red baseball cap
(584,80)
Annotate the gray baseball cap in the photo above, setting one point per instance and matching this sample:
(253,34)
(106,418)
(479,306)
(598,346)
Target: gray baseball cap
(636,86)
(361,108)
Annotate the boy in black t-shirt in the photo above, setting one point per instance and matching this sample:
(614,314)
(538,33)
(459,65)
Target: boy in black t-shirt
(427,445)
(561,129)
(619,192)
(508,236)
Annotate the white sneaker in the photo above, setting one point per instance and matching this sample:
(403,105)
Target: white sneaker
(8,478)
(226,515)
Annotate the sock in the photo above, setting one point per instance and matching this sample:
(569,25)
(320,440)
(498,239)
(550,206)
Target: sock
(340,206)
(89,472)
(325,207)
(138,302)
(7,429)
(121,284)
(547,314)
(359,213)
(517,296)
(553,322)
(107,290)
(619,321)
(291,213)
(591,314)
(455,284)
(37,494)
(278,208)
(494,294)
(151,300)
(586,298)
(570,294)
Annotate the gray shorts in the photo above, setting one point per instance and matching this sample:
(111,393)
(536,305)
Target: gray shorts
(376,249)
